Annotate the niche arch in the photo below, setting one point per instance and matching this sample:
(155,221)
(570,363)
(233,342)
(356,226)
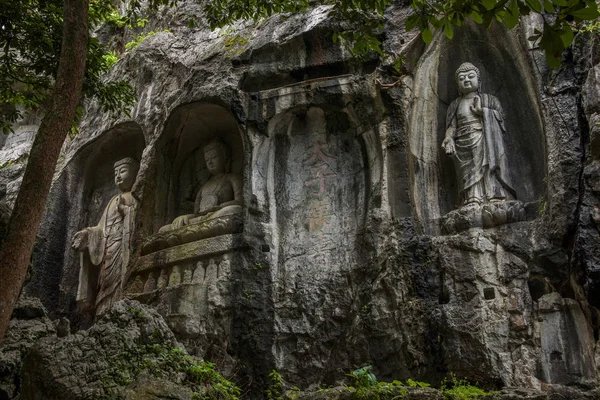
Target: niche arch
(181,168)
(98,158)
(505,73)
(77,199)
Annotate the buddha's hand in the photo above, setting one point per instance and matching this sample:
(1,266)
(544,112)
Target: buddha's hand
(211,209)
(182,221)
(80,240)
(448,146)
(476,106)
(121,205)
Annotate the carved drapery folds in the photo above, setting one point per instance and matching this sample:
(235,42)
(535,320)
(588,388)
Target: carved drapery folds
(475,140)
(105,248)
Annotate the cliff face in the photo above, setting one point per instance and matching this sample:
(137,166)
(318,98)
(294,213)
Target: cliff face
(349,252)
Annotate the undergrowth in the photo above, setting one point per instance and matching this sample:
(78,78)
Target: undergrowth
(164,361)
(461,389)
(366,386)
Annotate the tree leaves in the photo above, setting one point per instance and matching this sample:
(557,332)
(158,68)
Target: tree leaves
(556,36)
(427,35)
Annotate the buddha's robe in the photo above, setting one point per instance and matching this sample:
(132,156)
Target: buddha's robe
(108,248)
(480,157)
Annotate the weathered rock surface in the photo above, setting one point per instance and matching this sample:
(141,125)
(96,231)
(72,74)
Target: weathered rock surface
(28,325)
(342,260)
(130,353)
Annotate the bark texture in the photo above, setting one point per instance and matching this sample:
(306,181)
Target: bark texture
(30,204)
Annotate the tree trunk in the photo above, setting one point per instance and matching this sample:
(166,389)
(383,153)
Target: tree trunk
(17,245)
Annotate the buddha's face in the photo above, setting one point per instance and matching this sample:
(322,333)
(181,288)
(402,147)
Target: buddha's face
(124,177)
(468,81)
(215,160)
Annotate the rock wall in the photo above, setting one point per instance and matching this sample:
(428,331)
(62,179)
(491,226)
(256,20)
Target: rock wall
(342,261)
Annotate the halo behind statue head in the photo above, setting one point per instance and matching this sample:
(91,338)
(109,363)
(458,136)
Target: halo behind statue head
(467,66)
(128,161)
(218,144)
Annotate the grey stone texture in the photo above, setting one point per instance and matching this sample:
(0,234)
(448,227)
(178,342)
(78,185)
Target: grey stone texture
(341,258)
(111,360)
(28,325)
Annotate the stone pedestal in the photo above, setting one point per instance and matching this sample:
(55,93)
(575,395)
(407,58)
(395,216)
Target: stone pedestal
(487,215)
(228,224)
(191,286)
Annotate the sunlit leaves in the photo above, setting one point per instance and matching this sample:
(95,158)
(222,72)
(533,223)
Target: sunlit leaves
(557,33)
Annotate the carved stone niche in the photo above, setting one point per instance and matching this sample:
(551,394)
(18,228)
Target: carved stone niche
(506,101)
(186,188)
(184,265)
(79,198)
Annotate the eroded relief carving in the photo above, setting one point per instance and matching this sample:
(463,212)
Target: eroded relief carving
(105,248)
(320,173)
(475,134)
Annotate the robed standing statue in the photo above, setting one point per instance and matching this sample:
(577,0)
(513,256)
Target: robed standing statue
(475,132)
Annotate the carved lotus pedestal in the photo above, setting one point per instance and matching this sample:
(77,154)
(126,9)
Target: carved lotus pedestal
(487,215)
(195,231)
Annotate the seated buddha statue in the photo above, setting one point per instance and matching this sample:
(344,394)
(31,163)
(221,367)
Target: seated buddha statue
(220,196)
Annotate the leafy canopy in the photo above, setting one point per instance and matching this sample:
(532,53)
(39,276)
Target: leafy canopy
(429,15)
(30,43)
(31,30)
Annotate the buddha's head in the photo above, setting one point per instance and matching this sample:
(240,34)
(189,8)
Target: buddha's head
(467,77)
(125,172)
(217,156)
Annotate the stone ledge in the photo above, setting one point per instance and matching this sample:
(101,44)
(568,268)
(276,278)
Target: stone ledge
(189,252)
(217,227)
(487,215)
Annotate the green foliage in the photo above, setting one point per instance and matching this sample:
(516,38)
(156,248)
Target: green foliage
(366,386)
(276,388)
(161,361)
(363,377)
(558,18)
(138,40)
(542,206)
(461,389)
(30,43)
(138,313)
(413,383)
(31,33)
(277,391)
(591,26)
(365,18)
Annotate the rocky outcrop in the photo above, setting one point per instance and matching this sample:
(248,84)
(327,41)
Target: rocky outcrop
(130,353)
(28,325)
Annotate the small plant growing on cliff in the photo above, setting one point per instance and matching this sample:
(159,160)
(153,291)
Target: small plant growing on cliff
(138,40)
(542,206)
(363,377)
(461,389)
(277,389)
(366,386)
(413,383)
